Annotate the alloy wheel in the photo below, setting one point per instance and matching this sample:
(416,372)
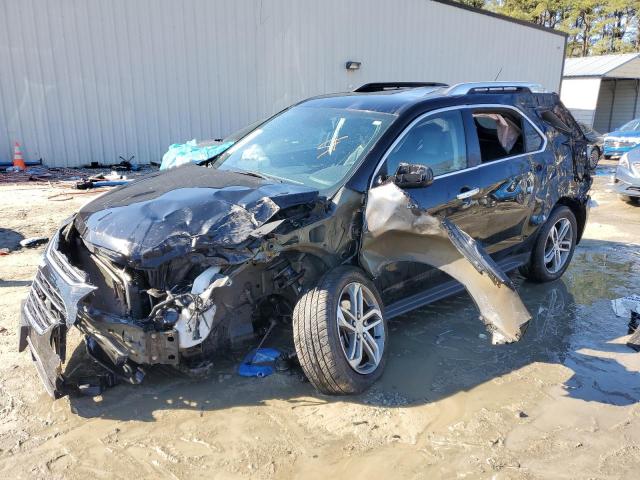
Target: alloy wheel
(558,245)
(360,327)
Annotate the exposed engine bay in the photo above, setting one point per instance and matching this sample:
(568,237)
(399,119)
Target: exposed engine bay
(164,281)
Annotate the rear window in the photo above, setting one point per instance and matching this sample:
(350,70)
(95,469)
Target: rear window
(500,134)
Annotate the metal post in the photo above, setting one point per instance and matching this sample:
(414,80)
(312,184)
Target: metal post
(613,101)
(635,103)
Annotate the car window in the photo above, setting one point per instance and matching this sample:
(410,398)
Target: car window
(437,142)
(630,126)
(499,134)
(313,146)
(532,139)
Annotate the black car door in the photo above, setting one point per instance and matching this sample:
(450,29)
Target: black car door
(506,177)
(482,185)
(491,201)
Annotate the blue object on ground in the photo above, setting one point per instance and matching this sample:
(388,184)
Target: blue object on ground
(181,153)
(256,363)
(110,183)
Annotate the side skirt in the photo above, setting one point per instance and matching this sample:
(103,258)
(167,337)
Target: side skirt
(446,289)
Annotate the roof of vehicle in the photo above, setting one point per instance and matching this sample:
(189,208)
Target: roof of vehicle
(386,101)
(394,100)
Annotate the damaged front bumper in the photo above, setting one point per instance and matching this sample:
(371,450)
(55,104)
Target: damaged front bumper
(49,309)
(54,304)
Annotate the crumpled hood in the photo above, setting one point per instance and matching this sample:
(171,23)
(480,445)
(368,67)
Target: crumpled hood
(166,214)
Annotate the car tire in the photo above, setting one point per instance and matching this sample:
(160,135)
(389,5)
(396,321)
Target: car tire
(324,342)
(629,199)
(550,257)
(594,157)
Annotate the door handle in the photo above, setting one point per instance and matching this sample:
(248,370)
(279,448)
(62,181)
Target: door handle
(468,193)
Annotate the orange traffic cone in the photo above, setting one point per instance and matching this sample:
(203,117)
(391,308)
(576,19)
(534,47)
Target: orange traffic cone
(18,161)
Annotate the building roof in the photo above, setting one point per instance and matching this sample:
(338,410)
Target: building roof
(625,65)
(482,11)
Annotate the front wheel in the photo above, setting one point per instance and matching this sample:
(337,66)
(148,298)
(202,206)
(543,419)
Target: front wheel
(554,247)
(340,333)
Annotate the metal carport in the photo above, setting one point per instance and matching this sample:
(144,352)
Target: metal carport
(602,91)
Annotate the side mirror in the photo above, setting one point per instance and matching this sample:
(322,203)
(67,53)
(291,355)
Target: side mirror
(413,175)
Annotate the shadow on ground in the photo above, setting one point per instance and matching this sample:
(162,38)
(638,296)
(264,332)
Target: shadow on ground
(440,350)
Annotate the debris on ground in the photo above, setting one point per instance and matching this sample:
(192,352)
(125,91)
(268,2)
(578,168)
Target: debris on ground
(623,307)
(259,362)
(634,340)
(4,251)
(97,181)
(629,306)
(70,182)
(33,242)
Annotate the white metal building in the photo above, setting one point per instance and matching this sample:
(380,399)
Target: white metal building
(602,91)
(90,80)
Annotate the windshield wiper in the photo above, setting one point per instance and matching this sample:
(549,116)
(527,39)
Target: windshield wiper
(263,176)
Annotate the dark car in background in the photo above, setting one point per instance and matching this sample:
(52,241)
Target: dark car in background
(325,221)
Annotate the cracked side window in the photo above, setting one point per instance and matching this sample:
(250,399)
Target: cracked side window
(437,141)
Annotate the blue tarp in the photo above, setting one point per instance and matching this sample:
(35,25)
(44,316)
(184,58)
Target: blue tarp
(259,363)
(181,153)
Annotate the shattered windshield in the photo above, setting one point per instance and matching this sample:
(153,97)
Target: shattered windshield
(311,146)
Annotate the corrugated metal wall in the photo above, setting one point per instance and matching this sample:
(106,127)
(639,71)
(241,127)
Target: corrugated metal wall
(90,80)
(614,111)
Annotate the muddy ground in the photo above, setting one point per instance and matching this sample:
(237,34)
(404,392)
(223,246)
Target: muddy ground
(562,403)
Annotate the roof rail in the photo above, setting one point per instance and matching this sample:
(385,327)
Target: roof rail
(382,86)
(495,87)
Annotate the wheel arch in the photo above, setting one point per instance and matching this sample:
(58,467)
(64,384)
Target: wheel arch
(579,210)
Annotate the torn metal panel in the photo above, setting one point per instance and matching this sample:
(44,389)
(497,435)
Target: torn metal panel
(396,230)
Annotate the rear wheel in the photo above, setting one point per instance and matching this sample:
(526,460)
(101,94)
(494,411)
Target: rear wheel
(340,333)
(594,156)
(554,247)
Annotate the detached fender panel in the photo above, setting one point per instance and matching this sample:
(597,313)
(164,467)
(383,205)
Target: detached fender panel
(397,230)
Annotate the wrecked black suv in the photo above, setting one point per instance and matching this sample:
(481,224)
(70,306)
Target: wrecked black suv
(328,219)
